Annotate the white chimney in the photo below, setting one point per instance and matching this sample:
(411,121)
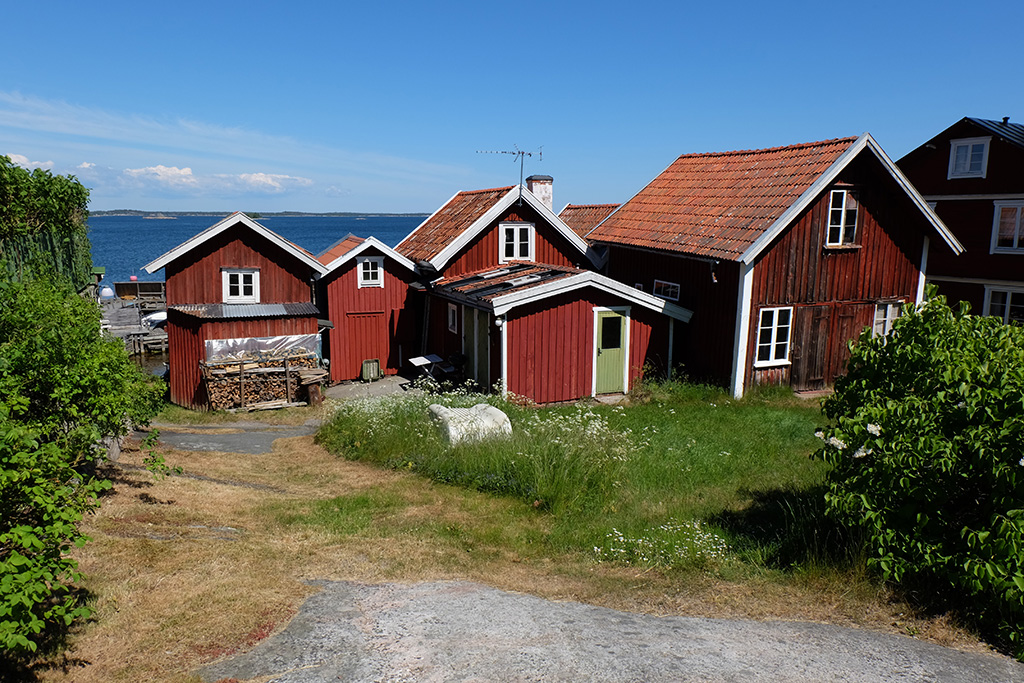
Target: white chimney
(542,186)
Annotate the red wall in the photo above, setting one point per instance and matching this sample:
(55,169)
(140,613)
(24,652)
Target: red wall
(371,322)
(550,345)
(195,278)
(186,344)
(549,245)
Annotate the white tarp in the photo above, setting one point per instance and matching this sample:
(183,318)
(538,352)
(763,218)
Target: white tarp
(220,350)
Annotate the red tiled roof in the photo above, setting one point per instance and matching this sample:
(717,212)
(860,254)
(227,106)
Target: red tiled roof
(582,218)
(717,205)
(448,222)
(339,248)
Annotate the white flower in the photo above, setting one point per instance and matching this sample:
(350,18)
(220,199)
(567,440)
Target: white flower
(861,452)
(836,443)
(874,430)
(1021,463)
(820,434)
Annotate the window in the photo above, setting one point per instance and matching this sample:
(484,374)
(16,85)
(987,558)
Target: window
(842,219)
(1006,304)
(241,285)
(885,316)
(371,271)
(453,318)
(1008,228)
(516,242)
(968,158)
(666,290)
(773,336)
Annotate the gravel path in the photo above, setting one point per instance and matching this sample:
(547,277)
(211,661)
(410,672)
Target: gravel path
(461,631)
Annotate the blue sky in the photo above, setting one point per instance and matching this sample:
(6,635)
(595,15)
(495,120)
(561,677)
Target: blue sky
(338,106)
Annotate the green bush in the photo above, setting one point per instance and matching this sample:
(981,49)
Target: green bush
(62,387)
(926,451)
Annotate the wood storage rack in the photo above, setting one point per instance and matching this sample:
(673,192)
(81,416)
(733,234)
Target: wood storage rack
(258,381)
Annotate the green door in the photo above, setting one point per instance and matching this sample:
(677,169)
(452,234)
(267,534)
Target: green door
(611,352)
(475,345)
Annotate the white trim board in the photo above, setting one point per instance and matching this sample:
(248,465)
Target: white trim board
(222,225)
(367,244)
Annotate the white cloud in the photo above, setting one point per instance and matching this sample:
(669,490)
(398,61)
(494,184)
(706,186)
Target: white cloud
(85,164)
(271,182)
(24,162)
(168,176)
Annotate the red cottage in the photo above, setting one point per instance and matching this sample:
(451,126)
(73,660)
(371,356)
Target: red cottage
(515,297)
(368,295)
(783,255)
(971,173)
(234,280)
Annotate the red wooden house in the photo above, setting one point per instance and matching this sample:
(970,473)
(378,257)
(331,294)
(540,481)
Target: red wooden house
(972,175)
(367,292)
(514,294)
(234,280)
(782,254)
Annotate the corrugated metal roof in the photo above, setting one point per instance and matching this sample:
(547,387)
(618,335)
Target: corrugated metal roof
(583,218)
(484,285)
(1011,132)
(717,205)
(448,222)
(237,311)
(339,248)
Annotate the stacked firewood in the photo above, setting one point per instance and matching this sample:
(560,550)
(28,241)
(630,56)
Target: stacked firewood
(252,381)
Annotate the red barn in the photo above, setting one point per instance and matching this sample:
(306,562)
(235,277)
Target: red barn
(783,254)
(971,174)
(514,295)
(234,280)
(371,301)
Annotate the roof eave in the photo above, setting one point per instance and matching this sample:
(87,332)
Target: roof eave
(366,244)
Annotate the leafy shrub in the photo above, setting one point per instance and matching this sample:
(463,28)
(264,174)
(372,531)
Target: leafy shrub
(926,447)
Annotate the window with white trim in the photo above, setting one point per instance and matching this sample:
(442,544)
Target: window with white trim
(453,317)
(515,242)
(842,219)
(666,290)
(1005,304)
(1008,227)
(968,158)
(885,316)
(371,271)
(773,333)
(240,285)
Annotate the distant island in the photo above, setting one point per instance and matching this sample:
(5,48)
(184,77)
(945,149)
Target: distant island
(254,214)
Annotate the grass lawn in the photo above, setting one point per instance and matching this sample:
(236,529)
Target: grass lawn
(683,502)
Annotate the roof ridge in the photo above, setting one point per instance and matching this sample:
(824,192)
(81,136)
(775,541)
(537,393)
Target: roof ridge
(765,150)
(583,205)
(490,189)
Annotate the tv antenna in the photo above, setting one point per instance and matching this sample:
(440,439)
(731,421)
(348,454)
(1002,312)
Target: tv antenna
(521,155)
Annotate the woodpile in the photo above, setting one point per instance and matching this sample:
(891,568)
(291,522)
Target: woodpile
(261,381)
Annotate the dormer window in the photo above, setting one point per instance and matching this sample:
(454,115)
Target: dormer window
(842,219)
(516,242)
(241,285)
(968,158)
(371,271)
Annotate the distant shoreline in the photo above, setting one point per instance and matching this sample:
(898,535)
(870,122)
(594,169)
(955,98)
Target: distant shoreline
(268,214)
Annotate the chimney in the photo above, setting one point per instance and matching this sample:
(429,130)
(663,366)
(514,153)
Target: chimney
(1006,120)
(543,187)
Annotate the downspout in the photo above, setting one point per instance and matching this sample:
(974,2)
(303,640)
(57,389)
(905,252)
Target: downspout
(739,351)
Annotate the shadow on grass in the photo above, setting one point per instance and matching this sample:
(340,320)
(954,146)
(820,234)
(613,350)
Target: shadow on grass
(787,528)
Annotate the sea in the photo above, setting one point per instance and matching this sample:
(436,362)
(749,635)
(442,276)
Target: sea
(124,244)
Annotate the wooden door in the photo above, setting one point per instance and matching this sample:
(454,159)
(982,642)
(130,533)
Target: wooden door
(809,354)
(611,352)
(476,345)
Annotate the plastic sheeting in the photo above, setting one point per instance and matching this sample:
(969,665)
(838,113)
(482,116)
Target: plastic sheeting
(221,350)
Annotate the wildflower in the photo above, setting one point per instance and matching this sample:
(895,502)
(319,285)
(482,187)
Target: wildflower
(836,443)
(861,452)
(820,434)
(874,430)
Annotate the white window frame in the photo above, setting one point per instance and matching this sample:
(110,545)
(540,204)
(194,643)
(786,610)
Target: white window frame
(453,318)
(969,144)
(842,225)
(522,230)
(1010,292)
(361,262)
(994,248)
(886,313)
(227,273)
(665,290)
(774,360)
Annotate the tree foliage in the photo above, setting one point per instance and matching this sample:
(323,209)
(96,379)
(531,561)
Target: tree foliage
(63,387)
(43,224)
(927,449)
